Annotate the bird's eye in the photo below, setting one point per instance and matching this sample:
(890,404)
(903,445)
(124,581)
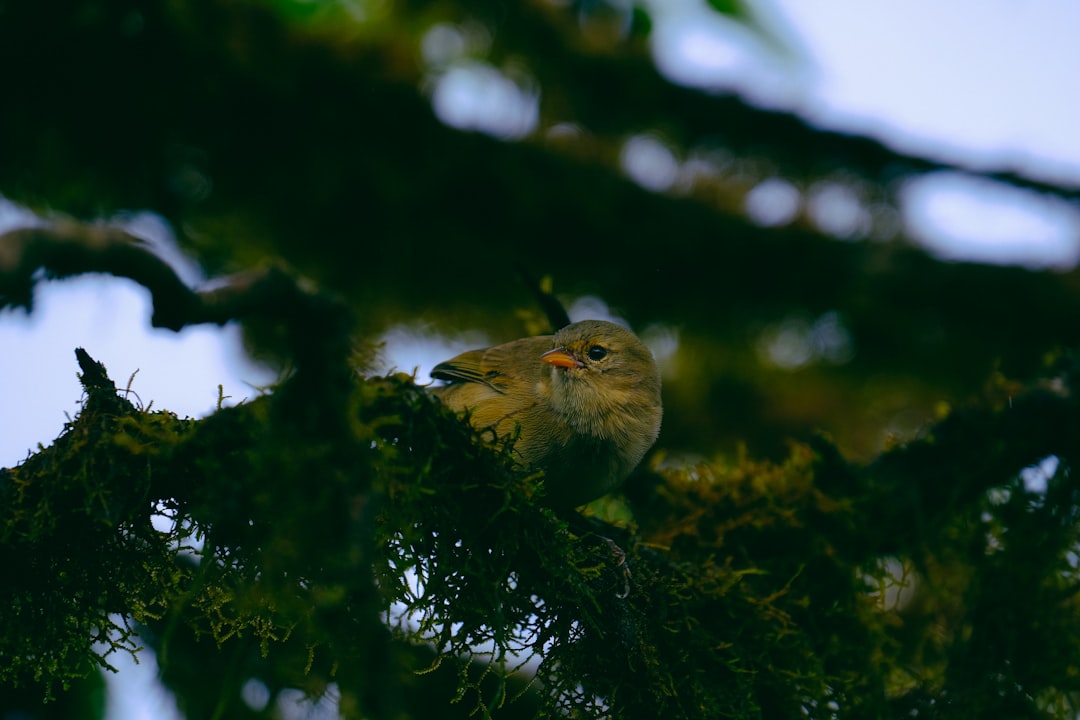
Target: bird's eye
(597,353)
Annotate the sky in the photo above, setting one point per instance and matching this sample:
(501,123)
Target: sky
(980,82)
(989,82)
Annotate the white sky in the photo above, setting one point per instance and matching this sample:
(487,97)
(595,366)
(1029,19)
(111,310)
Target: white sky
(981,81)
(993,82)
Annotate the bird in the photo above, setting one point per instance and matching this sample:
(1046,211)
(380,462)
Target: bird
(584,403)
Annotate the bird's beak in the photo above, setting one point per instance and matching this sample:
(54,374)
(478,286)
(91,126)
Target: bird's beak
(560,358)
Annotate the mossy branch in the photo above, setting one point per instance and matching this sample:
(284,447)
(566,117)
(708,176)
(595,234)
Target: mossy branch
(321,533)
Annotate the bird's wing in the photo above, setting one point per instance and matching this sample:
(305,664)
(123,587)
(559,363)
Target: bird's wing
(466,367)
(488,366)
(502,390)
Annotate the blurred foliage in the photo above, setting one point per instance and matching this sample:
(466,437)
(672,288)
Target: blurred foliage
(304,131)
(342,533)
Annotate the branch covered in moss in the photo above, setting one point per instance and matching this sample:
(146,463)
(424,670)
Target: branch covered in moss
(307,537)
(745,591)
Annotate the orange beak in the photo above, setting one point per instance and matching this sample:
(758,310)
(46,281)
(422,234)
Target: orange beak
(560,358)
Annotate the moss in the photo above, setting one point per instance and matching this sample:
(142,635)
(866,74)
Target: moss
(745,590)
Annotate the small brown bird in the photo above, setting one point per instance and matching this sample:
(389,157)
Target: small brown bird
(585,402)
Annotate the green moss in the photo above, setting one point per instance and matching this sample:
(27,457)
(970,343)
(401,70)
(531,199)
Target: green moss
(745,590)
